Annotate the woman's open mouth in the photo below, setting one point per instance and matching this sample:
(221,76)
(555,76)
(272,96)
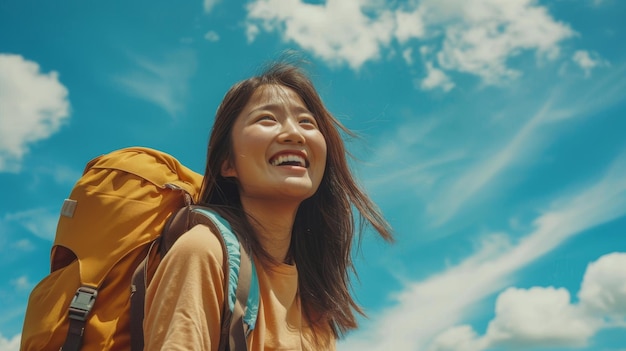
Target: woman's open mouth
(289,160)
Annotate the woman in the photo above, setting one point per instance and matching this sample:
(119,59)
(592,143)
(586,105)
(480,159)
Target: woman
(277,171)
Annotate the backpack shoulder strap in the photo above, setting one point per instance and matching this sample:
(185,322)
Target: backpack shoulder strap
(241,288)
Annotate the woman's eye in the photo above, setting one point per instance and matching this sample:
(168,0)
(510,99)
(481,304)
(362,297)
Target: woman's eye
(308,120)
(266,118)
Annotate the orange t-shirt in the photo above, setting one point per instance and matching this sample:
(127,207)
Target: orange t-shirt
(185,297)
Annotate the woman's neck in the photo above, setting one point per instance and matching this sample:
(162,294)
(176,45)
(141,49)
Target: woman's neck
(273,223)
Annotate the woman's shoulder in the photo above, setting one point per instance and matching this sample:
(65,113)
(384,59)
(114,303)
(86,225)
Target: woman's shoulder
(198,241)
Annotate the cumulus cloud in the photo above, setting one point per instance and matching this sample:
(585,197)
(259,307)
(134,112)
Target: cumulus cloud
(477,37)
(337,31)
(588,61)
(436,78)
(12,344)
(603,290)
(162,82)
(483,35)
(409,25)
(539,317)
(546,316)
(33,106)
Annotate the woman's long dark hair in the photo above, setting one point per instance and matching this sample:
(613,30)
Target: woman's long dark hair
(324,228)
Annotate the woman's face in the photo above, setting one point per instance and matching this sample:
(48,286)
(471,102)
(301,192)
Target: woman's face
(278,151)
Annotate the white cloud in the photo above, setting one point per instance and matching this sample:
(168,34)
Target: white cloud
(539,317)
(588,61)
(427,308)
(472,36)
(57,172)
(33,106)
(62,174)
(22,283)
(484,34)
(475,177)
(461,338)
(409,25)
(494,157)
(436,79)
(12,344)
(163,82)
(23,245)
(407,55)
(546,316)
(40,221)
(212,36)
(338,31)
(210,4)
(603,289)
(252,30)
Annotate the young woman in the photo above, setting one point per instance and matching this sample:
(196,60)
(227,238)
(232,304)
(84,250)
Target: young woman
(277,171)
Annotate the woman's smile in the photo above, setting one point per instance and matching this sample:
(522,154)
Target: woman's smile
(289,158)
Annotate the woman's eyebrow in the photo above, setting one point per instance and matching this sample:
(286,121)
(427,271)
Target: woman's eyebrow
(278,107)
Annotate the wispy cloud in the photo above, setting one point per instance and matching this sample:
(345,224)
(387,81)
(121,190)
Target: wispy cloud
(602,93)
(41,222)
(452,175)
(475,178)
(427,308)
(21,283)
(598,2)
(33,106)
(163,82)
(61,174)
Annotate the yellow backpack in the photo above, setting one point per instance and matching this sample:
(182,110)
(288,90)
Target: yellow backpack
(115,211)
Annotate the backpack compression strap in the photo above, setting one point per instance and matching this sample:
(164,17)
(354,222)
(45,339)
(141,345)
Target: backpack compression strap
(237,321)
(79,309)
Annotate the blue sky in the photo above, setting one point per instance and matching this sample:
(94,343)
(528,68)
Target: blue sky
(492,137)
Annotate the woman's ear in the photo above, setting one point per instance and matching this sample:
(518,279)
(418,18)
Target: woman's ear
(228,171)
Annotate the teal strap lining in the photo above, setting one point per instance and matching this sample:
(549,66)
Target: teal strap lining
(252,306)
(234,261)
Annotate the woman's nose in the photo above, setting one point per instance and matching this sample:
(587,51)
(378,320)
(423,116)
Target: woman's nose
(291,133)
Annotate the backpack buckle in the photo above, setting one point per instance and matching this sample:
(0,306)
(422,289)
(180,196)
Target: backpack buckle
(82,303)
